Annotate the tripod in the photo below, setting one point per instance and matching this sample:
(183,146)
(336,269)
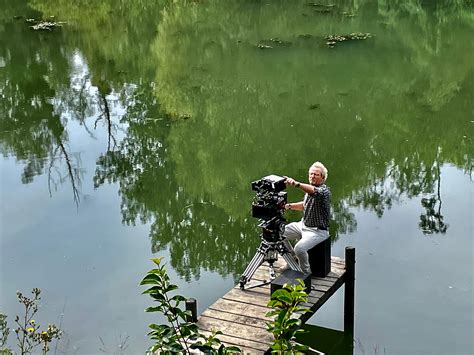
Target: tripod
(268,251)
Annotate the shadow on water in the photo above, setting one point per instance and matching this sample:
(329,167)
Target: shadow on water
(326,340)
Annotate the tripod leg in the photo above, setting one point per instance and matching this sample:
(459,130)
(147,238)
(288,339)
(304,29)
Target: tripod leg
(289,257)
(254,264)
(292,263)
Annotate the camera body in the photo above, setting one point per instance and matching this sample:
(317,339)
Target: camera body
(270,199)
(269,206)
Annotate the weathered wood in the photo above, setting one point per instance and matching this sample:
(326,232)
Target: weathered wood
(236,318)
(349,290)
(250,310)
(191,305)
(247,346)
(236,330)
(252,296)
(240,314)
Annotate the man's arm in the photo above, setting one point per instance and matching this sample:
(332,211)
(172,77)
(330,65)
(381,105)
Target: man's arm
(308,188)
(297,206)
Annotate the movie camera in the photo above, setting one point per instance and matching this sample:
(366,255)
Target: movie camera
(269,207)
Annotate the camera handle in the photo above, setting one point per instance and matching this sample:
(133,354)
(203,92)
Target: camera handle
(267,251)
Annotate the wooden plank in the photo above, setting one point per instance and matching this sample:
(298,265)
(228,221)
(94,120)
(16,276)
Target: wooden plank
(321,288)
(234,307)
(247,346)
(252,296)
(240,314)
(323,282)
(236,330)
(236,318)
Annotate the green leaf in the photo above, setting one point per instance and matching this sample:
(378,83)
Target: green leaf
(285,298)
(233,349)
(293,322)
(157,327)
(272,313)
(171,288)
(154,289)
(151,279)
(178,298)
(153,309)
(157,261)
(274,303)
(301,347)
(154,348)
(204,348)
(281,316)
(279,292)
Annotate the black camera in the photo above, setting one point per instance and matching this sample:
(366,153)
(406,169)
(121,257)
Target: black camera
(270,200)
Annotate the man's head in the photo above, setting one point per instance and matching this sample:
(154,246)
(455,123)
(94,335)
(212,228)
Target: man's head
(317,173)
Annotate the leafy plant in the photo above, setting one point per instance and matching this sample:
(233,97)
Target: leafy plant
(4,332)
(180,335)
(285,303)
(28,332)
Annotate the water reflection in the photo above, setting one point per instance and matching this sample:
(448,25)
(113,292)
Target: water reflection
(206,110)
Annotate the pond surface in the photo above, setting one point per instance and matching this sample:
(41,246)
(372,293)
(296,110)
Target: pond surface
(133,130)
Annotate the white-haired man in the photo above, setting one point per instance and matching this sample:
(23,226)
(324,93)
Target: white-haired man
(316,207)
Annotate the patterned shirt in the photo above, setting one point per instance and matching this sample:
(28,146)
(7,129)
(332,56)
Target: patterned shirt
(317,207)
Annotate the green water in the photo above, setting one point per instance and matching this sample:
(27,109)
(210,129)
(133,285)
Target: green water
(134,129)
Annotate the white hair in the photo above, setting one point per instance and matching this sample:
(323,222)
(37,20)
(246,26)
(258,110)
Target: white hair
(321,166)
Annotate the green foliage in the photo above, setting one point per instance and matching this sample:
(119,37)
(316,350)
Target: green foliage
(180,335)
(28,332)
(4,332)
(285,303)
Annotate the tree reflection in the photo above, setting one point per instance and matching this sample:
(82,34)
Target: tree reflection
(207,111)
(29,127)
(197,233)
(381,137)
(432,220)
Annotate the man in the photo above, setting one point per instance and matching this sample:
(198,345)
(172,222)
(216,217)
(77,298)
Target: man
(313,227)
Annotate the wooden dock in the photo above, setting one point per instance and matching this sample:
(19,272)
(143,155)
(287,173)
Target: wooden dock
(240,314)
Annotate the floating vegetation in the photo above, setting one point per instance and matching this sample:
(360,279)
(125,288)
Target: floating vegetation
(322,8)
(272,43)
(347,14)
(332,40)
(42,25)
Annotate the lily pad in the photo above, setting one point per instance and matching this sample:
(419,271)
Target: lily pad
(332,40)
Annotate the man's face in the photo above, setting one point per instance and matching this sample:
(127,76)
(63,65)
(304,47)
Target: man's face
(315,176)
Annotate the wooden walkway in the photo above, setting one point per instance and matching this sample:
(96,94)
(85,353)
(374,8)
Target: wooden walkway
(240,314)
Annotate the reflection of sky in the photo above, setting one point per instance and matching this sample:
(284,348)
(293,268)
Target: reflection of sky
(414,292)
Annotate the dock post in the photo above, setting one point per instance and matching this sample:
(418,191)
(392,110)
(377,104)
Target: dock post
(191,305)
(349,291)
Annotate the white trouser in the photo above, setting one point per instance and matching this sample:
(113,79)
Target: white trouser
(307,238)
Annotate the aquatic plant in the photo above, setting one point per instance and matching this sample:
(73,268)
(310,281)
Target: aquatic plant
(180,335)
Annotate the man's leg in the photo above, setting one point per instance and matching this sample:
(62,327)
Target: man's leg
(310,237)
(292,232)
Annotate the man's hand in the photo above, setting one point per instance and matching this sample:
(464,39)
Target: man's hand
(290,181)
